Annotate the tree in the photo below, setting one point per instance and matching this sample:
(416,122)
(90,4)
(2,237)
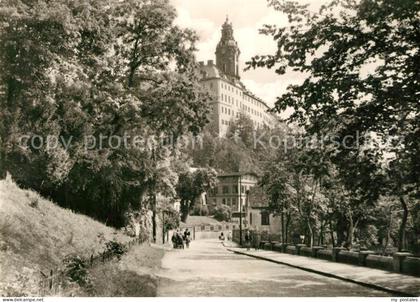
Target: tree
(222,213)
(223,154)
(81,71)
(170,217)
(200,210)
(359,62)
(242,131)
(191,185)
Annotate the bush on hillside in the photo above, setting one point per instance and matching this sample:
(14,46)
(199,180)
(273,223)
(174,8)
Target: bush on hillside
(76,270)
(115,248)
(33,199)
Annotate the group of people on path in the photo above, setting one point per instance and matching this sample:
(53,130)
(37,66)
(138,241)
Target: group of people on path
(181,240)
(222,236)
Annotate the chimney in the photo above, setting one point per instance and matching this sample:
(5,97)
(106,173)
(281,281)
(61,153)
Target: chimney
(210,62)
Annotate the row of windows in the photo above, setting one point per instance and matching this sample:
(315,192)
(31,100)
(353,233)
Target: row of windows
(226,201)
(230,189)
(228,99)
(229,201)
(253,101)
(231,88)
(231,112)
(227,123)
(257,124)
(252,111)
(228,111)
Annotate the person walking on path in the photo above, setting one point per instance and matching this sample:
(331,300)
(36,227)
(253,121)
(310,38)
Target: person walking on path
(187,237)
(248,239)
(180,240)
(222,237)
(257,240)
(174,239)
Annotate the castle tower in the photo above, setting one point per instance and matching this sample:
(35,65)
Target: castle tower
(227,52)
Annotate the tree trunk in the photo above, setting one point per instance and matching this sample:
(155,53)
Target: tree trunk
(388,233)
(332,234)
(401,233)
(340,228)
(282,224)
(350,232)
(154,223)
(321,234)
(287,227)
(185,210)
(311,232)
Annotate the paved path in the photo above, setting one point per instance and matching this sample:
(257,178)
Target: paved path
(209,269)
(402,285)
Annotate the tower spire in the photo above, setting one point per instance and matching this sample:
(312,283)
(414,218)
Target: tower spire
(227,52)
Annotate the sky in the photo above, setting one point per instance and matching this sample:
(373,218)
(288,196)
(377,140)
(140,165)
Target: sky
(247,16)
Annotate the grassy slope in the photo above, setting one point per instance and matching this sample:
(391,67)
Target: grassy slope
(38,238)
(133,276)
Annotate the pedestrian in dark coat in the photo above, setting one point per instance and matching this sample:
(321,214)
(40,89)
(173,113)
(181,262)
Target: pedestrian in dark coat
(257,240)
(248,239)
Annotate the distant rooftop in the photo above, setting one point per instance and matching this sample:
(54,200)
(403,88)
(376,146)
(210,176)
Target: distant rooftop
(230,174)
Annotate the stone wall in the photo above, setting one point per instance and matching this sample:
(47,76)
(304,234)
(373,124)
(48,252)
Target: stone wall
(411,266)
(400,262)
(348,257)
(379,262)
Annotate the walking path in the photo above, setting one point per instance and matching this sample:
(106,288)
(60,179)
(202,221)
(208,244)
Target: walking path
(394,283)
(208,269)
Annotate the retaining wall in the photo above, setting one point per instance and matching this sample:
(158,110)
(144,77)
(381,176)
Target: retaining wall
(379,262)
(348,257)
(305,251)
(407,265)
(325,254)
(291,249)
(411,266)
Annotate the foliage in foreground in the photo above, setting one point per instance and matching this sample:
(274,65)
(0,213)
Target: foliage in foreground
(359,100)
(79,80)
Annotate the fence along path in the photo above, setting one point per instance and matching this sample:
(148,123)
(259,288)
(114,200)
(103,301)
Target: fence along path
(204,230)
(51,281)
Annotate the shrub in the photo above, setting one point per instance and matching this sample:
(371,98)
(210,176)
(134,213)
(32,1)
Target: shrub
(33,200)
(200,210)
(76,270)
(222,213)
(171,219)
(115,248)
